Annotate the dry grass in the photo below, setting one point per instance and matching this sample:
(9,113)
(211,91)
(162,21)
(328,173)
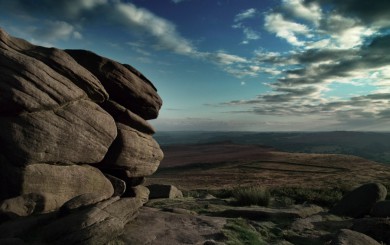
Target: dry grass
(254,195)
(269,169)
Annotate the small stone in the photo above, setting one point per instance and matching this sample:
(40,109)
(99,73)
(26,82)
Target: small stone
(348,237)
(164,191)
(118,184)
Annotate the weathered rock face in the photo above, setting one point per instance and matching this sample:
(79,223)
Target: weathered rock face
(74,138)
(360,201)
(78,132)
(58,184)
(136,152)
(124,84)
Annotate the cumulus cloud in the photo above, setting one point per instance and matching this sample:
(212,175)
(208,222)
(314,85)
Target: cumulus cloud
(376,14)
(297,8)
(333,47)
(285,29)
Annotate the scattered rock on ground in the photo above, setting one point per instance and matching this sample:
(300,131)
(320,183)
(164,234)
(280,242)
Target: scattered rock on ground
(348,237)
(164,191)
(360,201)
(381,209)
(171,228)
(141,192)
(377,228)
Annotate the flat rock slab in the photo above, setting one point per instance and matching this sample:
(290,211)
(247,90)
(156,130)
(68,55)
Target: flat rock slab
(153,226)
(316,229)
(348,237)
(261,213)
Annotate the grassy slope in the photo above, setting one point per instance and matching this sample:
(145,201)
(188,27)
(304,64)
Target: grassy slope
(213,167)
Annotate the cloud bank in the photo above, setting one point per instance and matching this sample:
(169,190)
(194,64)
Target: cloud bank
(344,45)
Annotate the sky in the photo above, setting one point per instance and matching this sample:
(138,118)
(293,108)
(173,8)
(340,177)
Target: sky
(234,65)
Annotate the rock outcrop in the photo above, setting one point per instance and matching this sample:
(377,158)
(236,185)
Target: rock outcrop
(74,139)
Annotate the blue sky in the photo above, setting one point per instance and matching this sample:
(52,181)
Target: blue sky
(232,65)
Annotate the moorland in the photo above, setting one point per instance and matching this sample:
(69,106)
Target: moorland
(269,188)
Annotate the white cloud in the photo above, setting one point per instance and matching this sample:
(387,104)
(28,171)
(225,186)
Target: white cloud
(311,12)
(324,43)
(345,32)
(285,29)
(74,7)
(77,35)
(251,34)
(352,37)
(161,29)
(55,30)
(246,14)
(227,59)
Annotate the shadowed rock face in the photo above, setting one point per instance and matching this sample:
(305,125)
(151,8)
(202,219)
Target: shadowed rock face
(69,121)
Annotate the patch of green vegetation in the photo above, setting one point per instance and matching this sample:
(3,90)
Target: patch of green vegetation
(298,195)
(240,232)
(199,206)
(253,195)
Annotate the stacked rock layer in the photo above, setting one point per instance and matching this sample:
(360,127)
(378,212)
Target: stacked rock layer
(73,126)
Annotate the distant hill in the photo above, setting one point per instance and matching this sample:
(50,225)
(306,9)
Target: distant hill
(374,146)
(225,165)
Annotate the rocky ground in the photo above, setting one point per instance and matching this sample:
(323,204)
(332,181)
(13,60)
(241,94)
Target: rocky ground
(304,187)
(207,219)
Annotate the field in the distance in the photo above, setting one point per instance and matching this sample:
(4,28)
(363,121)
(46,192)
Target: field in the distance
(227,165)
